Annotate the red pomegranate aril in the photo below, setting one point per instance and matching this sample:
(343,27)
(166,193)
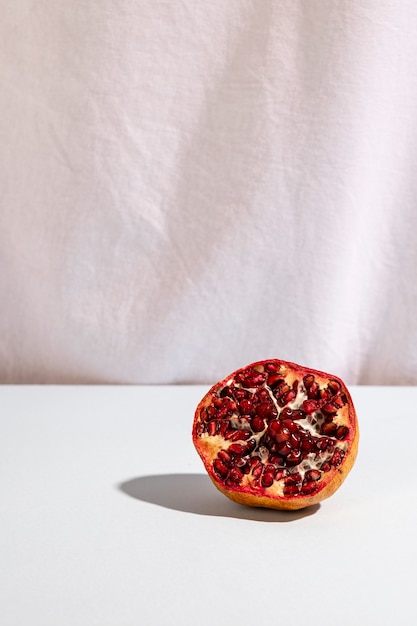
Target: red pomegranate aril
(223,426)
(308,487)
(337,457)
(274,380)
(283,434)
(313,390)
(250,446)
(309,406)
(292,426)
(235,475)
(294,457)
(284,448)
(274,427)
(342,432)
(220,468)
(257,470)
(312,475)
(212,427)
(334,387)
(338,401)
(241,434)
(225,457)
(265,410)
(288,396)
(293,479)
(329,409)
(257,424)
(277,421)
(329,428)
(308,380)
(246,407)
(323,443)
(306,445)
(290,490)
(294,440)
(267,478)
(298,415)
(236,448)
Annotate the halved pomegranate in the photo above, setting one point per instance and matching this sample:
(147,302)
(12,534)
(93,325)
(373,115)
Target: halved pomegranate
(278,435)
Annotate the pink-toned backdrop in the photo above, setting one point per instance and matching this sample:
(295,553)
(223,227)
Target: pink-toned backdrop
(186,187)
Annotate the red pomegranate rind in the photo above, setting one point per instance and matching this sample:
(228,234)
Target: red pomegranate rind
(278,435)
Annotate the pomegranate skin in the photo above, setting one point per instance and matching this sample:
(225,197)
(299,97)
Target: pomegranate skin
(278,435)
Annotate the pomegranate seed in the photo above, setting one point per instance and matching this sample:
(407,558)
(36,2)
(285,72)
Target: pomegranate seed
(334,386)
(306,445)
(342,432)
(257,424)
(235,476)
(291,490)
(274,427)
(241,394)
(295,386)
(329,409)
(265,410)
(292,426)
(212,427)
(293,479)
(309,406)
(257,470)
(329,428)
(283,434)
(225,457)
(337,457)
(250,446)
(294,457)
(323,443)
(274,380)
(267,479)
(288,396)
(294,440)
(308,487)
(324,394)
(279,474)
(246,407)
(312,475)
(237,448)
(326,467)
(253,380)
(313,391)
(284,448)
(283,389)
(224,425)
(241,434)
(308,380)
(298,415)
(337,401)
(225,392)
(220,468)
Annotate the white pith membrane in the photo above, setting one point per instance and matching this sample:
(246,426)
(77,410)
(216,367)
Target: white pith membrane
(284,484)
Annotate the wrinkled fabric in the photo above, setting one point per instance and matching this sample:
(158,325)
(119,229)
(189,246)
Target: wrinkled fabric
(187,187)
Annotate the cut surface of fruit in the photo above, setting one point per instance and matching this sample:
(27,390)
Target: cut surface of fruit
(278,435)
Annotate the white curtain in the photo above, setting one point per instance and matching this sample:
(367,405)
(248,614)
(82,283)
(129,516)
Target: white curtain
(187,187)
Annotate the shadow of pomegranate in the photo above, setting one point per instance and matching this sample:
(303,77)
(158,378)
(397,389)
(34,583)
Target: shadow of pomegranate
(195,493)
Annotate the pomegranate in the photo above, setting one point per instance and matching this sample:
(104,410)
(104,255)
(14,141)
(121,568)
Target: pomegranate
(278,435)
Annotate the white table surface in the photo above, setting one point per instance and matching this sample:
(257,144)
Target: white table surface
(108,519)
